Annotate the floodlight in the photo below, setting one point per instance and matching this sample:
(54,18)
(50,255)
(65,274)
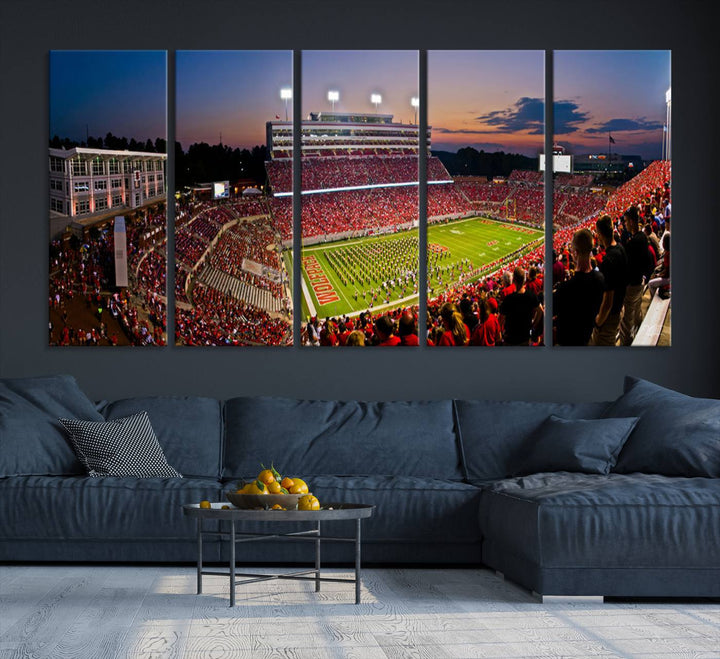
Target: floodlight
(376,99)
(415,102)
(286,95)
(333,96)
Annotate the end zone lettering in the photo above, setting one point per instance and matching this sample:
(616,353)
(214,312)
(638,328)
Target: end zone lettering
(321,285)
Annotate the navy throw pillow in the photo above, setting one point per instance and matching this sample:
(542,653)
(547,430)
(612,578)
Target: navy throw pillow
(677,435)
(589,446)
(32,441)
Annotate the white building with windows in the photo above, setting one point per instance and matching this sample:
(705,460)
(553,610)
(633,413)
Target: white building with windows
(87,182)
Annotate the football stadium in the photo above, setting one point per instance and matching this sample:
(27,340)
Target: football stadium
(360,241)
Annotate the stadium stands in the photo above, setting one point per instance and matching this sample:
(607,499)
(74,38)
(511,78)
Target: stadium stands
(84,270)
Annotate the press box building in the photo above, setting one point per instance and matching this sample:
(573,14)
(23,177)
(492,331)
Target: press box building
(87,182)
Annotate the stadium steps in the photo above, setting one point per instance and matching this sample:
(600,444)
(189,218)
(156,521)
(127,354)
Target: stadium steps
(240,290)
(651,328)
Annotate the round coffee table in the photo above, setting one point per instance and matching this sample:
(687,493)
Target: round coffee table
(329,513)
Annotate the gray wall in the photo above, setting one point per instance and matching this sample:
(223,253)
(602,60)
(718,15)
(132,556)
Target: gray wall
(30,28)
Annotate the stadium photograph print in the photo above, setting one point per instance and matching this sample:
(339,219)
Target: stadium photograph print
(233,201)
(612,198)
(485,198)
(359,198)
(108,198)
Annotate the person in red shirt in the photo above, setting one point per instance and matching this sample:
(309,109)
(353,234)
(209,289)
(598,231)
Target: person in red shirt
(456,331)
(407,330)
(488,331)
(534,282)
(385,331)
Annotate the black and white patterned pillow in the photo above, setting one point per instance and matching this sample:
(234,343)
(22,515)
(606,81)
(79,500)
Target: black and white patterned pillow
(121,447)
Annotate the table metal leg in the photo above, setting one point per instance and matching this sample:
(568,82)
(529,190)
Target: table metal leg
(317,560)
(232,562)
(357,561)
(200,556)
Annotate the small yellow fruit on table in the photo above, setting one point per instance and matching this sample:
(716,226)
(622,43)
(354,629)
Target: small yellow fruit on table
(205,504)
(308,502)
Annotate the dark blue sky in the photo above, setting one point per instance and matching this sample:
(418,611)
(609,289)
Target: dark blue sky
(121,92)
(229,92)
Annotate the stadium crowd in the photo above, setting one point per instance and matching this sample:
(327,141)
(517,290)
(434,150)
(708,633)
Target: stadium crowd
(84,269)
(217,319)
(319,173)
(603,265)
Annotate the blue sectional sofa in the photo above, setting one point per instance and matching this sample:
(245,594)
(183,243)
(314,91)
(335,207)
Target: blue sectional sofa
(442,474)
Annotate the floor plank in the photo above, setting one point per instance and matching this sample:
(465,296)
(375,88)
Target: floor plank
(92,612)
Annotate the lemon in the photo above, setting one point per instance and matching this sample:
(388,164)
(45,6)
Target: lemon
(205,504)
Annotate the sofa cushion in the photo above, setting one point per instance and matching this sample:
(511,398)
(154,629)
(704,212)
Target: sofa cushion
(493,433)
(580,445)
(568,520)
(121,447)
(32,441)
(189,429)
(312,437)
(677,435)
(102,509)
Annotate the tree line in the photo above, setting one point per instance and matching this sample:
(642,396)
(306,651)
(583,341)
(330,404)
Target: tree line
(201,163)
(468,161)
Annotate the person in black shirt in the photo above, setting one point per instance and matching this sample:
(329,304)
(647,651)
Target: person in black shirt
(519,310)
(639,267)
(614,270)
(576,301)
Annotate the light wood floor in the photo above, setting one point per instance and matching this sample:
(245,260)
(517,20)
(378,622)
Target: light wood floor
(93,612)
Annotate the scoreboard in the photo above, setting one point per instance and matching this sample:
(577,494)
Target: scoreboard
(561,163)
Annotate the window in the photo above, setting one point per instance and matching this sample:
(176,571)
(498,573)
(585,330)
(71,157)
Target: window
(151,178)
(116,183)
(56,205)
(56,185)
(98,167)
(78,167)
(101,185)
(82,207)
(113,166)
(117,200)
(101,203)
(57,164)
(81,186)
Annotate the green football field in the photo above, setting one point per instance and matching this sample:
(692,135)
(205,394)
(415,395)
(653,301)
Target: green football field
(346,277)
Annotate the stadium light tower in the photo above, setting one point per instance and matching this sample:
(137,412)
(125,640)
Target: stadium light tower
(286,95)
(415,102)
(376,99)
(333,96)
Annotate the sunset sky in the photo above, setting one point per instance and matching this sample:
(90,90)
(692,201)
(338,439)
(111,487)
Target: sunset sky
(491,100)
(118,92)
(356,75)
(611,92)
